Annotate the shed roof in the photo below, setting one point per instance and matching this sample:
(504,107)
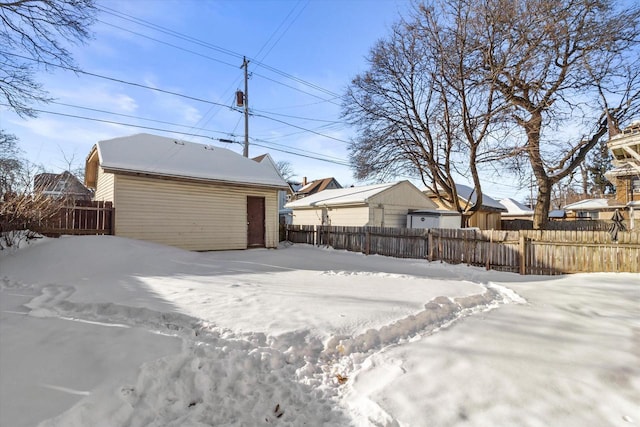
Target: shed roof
(515,208)
(162,156)
(468,194)
(341,196)
(593,205)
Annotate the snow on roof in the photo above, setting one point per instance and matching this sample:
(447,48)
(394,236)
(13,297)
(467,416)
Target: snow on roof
(434,212)
(158,155)
(341,196)
(592,204)
(468,194)
(515,208)
(557,213)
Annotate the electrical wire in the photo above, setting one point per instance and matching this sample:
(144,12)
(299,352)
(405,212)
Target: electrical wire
(278,29)
(299,127)
(193,98)
(254,61)
(79,71)
(224,140)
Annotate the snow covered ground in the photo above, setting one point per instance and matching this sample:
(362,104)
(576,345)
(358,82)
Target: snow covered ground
(105,331)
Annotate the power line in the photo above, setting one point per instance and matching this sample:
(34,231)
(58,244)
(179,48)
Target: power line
(97,110)
(224,140)
(300,127)
(211,46)
(253,73)
(271,143)
(339,163)
(79,71)
(167,43)
(193,98)
(298,117)
(278,29)
(167,31)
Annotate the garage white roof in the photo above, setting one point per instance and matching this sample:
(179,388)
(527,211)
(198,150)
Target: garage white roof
(515,208)
(593,205)
(158,155)
(341,196)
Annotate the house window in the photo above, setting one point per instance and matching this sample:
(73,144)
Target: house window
(635,185)
(587,215)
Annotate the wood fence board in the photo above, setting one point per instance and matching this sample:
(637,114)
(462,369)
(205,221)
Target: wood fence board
(83,218)
(543,251)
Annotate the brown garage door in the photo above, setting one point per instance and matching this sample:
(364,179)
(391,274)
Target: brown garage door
(255,222)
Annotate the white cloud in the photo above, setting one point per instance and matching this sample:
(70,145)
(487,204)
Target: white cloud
(191,115)
(101,97)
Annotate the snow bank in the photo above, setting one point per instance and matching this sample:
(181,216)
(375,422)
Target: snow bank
(306,336)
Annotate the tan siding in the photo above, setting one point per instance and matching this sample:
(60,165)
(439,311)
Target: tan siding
(195,216)
(396,216)
(485,220)
(397,202)
(349,216)
(104,187)
(307,217)
(403,194)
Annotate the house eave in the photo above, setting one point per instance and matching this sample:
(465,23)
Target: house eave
(160,175)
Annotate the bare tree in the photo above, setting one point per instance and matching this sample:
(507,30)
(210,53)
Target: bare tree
(286,169)
(32,35)
(10,164)
(532,85)
(567,69)
(22,208)
(420,109)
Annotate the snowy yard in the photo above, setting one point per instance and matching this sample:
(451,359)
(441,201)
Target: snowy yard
(105,331)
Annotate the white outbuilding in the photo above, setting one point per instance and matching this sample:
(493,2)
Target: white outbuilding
(184,194)
(434,219)
(380,205)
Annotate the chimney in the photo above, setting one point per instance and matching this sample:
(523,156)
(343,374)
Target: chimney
(612,124)
(304,181)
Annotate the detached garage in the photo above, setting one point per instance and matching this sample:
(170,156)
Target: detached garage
(381,205)
(183,194)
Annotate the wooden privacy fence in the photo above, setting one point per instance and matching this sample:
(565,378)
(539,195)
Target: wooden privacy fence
(524,252)
(85,217)
(568,225)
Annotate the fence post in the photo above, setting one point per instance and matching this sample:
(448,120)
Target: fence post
(113,220)
(522,252)
(367,242)
(430,246)
(489,255)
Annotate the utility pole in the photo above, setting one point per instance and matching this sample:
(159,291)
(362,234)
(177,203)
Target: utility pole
(245,65)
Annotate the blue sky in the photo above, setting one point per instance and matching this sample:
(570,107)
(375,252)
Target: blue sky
(302,55)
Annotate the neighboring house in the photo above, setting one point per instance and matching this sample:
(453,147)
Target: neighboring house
(381,205)
(488,217)
(593,209)
(625,148)
(60,185)
(515,210)
(315,186)
(184,194)
(284,215)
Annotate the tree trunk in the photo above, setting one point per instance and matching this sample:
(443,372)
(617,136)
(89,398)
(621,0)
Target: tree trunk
(543,203)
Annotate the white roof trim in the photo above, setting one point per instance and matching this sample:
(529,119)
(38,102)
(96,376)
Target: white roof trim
(341,196)
(161,156)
